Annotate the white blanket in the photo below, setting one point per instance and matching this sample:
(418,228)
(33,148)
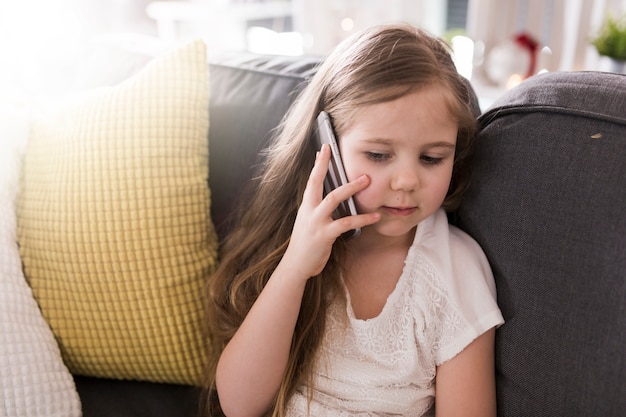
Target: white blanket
(33,378)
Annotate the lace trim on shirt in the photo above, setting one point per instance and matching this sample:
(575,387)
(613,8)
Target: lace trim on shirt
(443,322)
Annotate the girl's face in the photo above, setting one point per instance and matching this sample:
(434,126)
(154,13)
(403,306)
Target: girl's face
(406,147)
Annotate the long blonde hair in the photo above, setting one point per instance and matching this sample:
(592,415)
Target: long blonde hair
(377,65)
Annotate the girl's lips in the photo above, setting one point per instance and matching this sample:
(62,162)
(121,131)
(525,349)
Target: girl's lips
(400,211)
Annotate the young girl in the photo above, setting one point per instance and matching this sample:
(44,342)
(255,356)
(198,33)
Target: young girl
(398,321)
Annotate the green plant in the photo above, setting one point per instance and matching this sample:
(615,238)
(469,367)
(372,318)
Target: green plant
(611,40)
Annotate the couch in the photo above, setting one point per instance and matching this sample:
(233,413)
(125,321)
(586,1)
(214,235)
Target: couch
(547,203)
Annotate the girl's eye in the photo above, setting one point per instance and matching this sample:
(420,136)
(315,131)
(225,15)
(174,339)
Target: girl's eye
(377,157)
(431,160)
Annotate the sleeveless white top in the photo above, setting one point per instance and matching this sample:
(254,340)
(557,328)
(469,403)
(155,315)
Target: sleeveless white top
(385,366)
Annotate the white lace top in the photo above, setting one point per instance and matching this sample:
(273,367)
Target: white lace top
(386,366)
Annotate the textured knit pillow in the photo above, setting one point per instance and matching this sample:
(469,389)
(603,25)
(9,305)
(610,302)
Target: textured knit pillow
(34,382)
(114,222)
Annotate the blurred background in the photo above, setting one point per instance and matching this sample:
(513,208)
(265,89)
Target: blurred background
(49,47)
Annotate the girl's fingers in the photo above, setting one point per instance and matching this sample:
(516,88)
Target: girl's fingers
(345,191)
(315,186)
(354,222)
(325,206)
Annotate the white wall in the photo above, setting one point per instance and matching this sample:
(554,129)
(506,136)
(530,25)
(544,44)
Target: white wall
(320,21)
(564,25)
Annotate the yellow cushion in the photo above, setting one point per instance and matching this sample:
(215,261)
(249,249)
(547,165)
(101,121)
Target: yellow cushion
(114,222)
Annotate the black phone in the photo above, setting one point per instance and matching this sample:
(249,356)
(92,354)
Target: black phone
(336,175)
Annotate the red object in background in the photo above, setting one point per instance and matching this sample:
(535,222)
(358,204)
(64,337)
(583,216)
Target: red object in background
(532,46)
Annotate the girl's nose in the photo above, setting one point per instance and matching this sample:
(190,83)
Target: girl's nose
(405,179)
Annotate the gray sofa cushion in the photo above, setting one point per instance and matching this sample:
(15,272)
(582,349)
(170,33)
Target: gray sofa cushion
(547,203)
(249,95)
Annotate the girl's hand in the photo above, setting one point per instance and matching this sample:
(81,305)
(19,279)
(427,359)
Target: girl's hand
(315,230)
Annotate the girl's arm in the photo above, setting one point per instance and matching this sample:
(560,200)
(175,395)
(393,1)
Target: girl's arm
(465,385)
(251,367)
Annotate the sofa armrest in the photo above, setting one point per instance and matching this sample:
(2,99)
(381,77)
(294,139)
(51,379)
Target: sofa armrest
(547,205)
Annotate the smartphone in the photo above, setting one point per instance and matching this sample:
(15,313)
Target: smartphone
(336,175)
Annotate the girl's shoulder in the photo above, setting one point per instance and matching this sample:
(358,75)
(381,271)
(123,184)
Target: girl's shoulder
(447,246)
(448,261)
(453,286)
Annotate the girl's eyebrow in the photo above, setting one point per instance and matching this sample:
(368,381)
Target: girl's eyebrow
(386,141)
(382,141)
(441,144)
